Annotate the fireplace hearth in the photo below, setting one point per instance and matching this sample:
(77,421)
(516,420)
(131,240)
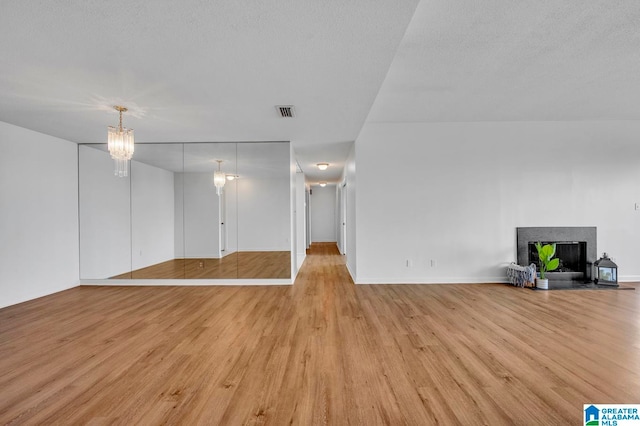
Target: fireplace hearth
(575,247)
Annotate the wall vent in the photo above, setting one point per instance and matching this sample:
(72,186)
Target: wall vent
(286,111)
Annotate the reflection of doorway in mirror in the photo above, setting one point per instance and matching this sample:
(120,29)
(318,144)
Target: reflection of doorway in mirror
(222,208)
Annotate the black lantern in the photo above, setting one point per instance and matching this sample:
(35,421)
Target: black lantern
(606,272)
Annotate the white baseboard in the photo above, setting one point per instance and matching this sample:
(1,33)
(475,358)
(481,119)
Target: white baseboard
(187,282)
(629,278)
(464,280)
(436,280)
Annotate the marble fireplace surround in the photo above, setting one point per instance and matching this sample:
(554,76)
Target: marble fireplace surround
(587,234)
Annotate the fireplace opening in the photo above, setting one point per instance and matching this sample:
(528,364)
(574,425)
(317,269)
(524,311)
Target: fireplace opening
(572,255)
(575,248)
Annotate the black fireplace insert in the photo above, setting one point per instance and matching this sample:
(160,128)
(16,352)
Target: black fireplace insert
(575,248)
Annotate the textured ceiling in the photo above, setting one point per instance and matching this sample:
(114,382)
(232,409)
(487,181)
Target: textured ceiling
(198,70)
(505,60)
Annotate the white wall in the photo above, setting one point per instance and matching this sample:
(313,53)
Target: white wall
(336,212)
(349,176)
(264,211)
(323,214)
(459,190)
(38,215)
(152,215)
(301,218)
(293,213)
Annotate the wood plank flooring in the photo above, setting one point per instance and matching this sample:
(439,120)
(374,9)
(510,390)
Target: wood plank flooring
(241,265)
(323,351)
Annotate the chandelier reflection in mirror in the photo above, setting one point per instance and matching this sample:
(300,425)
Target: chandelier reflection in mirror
(219,178)
(120,144)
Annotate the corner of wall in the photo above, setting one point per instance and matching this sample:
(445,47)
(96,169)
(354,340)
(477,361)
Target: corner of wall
(41,244)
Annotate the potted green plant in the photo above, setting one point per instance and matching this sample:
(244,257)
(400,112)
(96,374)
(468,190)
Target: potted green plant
(545,254)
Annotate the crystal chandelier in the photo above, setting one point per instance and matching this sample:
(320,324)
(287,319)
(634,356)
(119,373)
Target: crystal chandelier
(219,179)
(120,144)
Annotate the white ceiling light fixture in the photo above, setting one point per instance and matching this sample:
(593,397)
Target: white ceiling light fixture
(231,177)
(120,145)
(219,178)
(323,184)
(323,166)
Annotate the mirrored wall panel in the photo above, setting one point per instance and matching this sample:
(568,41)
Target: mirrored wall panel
(155,211)
(210,226)
(264,223)
(186,210)
(105,216)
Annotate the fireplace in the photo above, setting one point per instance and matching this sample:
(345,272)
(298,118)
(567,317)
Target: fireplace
(575,247)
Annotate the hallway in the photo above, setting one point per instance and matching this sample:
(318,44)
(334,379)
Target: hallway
(323,351)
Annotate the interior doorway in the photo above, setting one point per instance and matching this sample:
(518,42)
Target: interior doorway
(324,214)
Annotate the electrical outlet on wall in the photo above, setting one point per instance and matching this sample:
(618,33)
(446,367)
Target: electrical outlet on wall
(433,263)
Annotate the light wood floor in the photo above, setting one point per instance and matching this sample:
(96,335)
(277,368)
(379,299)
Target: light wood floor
(244,265)
(320,352)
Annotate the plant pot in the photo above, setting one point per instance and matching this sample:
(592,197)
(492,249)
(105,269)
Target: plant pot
(543,284)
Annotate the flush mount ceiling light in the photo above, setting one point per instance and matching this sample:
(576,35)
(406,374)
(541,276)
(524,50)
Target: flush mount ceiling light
(219,178)
(323,166)
(323,184)
(231,177)
(120,144)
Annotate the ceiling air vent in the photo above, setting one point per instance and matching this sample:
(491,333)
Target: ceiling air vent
(286,111)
